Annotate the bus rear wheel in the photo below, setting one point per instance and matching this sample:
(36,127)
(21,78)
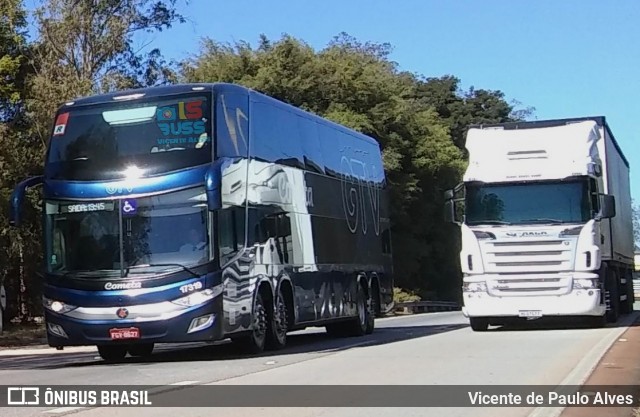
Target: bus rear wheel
(359,325)
(112,353)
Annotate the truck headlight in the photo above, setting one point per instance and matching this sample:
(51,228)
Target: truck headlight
(474,286)
(57,306)
(585,284)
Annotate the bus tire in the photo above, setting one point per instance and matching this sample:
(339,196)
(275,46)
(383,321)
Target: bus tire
(372,308)
(277,323)
(143,350)
(336,329)
(112,353)
(255,341)
(358,326)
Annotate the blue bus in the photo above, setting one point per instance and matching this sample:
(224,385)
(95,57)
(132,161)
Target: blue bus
(201,212)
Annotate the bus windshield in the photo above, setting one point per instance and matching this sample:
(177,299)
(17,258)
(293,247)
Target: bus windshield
(98,142)
(128,236)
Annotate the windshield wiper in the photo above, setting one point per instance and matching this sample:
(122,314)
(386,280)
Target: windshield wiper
(88,272)
(543,220)
(184,268)
(481,222)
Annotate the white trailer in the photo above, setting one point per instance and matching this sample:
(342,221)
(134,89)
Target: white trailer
(545,216)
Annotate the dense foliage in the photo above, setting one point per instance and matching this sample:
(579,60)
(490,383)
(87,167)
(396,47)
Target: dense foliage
(86,46)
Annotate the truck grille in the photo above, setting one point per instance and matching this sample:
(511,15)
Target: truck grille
(528,256)
(529,284)
(528,267)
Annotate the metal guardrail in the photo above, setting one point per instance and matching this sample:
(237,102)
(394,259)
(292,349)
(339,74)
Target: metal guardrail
(413,307)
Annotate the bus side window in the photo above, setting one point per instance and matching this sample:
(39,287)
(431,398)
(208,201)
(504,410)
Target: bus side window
(230,231)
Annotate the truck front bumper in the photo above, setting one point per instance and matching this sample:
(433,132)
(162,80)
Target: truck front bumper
(576,303)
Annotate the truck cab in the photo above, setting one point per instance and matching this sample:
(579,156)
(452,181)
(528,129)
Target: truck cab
(544,211)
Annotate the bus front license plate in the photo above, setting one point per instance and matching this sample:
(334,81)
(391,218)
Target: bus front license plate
(130,333)
(530,313)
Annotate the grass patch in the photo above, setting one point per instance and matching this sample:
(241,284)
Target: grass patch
(15,335)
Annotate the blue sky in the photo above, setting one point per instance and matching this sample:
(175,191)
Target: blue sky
(567,58)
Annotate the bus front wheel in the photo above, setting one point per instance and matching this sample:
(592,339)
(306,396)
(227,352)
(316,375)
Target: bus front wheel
(143,350)
(112,353)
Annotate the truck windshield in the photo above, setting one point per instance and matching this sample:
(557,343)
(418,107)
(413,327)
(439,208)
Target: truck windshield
(159,233)
(98,142)
(528,203)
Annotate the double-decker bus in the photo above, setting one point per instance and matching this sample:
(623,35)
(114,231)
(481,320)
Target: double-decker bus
(201,212)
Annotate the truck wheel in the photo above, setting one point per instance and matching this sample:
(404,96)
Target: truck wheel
(627,305)
(143,350)
(597,322)
(479,324)
(112,353)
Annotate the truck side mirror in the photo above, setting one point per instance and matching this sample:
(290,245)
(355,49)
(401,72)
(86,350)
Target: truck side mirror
(607,207)
(17,198)
(449,211)
(448,195)
(451,207)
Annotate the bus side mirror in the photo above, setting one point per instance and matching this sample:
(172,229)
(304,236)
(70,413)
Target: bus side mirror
(17,198)
(607,207)
(213,181)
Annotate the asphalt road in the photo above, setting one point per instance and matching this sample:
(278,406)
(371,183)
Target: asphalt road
(427,349)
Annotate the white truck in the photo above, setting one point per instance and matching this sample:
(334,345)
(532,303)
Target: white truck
(546,223)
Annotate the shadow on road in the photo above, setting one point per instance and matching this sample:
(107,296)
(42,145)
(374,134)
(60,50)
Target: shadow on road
(319,342)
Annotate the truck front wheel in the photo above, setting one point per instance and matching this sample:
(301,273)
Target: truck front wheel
(479,324)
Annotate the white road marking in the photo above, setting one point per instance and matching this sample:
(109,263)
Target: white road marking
(62,410)
(185,383)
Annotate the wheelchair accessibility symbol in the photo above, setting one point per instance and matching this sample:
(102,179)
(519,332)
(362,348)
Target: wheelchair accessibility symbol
(129,207)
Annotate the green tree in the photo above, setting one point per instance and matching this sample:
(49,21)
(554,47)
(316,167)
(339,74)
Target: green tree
(81,47)
(419,123)
(13,68)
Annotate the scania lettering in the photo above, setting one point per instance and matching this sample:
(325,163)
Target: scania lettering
(544,211)
(154,235)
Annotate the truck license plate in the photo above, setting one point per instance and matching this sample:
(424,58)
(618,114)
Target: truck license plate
(530,313)
(130,333)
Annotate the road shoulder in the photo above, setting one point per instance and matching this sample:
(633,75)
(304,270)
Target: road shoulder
(620,365)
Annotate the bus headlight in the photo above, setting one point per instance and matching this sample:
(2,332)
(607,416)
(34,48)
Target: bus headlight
(57,306)
(196,298)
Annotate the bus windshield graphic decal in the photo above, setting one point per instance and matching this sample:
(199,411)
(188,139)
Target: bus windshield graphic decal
(182,123)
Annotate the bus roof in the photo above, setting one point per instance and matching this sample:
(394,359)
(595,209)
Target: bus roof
(165,90)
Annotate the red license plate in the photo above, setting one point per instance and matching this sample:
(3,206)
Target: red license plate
(130,333)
